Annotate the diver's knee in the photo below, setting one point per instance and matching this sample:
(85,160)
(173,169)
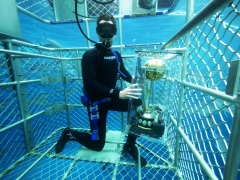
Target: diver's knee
(100,146)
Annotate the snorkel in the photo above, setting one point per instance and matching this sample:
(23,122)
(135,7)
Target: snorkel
(106,31)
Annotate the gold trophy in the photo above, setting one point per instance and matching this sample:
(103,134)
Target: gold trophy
(153,70)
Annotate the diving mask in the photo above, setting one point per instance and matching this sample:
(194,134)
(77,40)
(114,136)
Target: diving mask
(106,30)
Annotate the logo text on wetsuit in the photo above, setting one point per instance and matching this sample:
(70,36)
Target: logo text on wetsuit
(110,58)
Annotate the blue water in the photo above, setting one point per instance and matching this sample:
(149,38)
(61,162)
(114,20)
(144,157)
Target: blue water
(140,30)
(154,29)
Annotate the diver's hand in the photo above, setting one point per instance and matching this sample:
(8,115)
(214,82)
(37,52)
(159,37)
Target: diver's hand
(130,92)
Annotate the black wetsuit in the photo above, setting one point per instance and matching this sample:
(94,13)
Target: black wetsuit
(99,72)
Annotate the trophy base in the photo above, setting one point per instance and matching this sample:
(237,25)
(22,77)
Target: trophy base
(155,132)
(147,122)
(145,118)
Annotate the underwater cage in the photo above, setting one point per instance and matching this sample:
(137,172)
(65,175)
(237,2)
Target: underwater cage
(198,94)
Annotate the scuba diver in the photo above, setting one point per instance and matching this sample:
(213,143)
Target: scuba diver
(101,68)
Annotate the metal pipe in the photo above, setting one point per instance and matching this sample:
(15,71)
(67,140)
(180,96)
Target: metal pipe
(233,154)
(29,81)
(92,19)
(26,54)
(30,167)
(65,90)
(139,164)
(179,124)
(122,113)
(153,89)
(162,167)
(21,95)
(13,165)
(120,32)
(20,160)
(114,174)
(49,57)
(195,152)
(20,82)
(19,42)
(34,55)
(165,162)
(190,8)
(24,43)
(55,12)
(33,15)
(88,32)
(209,91)
(120,42)
(208,10)
(8,84)
(21,121)
(69,169)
